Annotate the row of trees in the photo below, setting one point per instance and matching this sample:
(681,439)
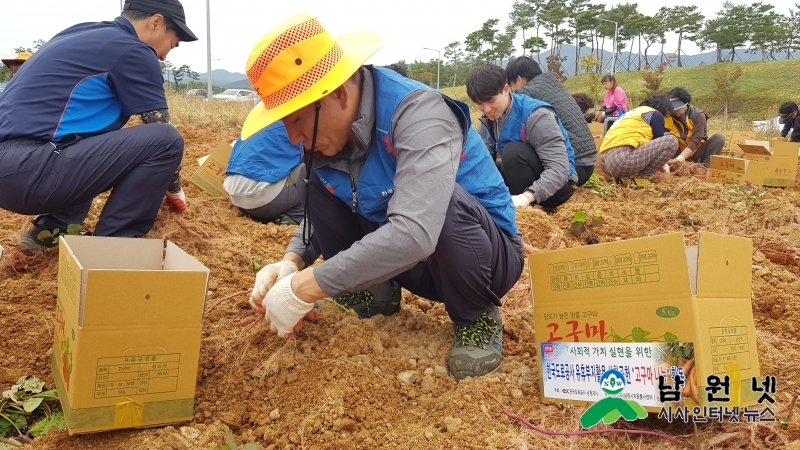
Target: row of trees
(550,24)
(176,74)
(179,74)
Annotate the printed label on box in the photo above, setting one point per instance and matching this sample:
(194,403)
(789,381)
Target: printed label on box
(572,371)
(136,375)
(614,270)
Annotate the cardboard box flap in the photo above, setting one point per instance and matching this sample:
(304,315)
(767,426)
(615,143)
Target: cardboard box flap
(211,173)
(177,259)
(116,253)
(691,262)
(638,269)
(71,279)
(783,148)
(724,266)
(157,299)
(756,147)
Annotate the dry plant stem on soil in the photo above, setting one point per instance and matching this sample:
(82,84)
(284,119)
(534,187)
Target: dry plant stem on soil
(211,308)
(522,420)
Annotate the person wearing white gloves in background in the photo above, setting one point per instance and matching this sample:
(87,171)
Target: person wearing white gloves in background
(537,158)
(401,193)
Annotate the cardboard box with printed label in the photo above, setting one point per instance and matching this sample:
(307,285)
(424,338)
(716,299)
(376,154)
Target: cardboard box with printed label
(645,294)
(735,170)
(728,135)
(127,332)
(738,137)
(211,173)
(778,157)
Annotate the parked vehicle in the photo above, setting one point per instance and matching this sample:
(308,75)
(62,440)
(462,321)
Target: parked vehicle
(196,93)
(239,95)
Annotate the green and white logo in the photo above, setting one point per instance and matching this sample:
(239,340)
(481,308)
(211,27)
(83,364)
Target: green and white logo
(612,407)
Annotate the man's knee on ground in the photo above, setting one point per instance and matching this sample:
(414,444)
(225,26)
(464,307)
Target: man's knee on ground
(168,136)
(519,151)
(716,139)
(462,205)
(669,141)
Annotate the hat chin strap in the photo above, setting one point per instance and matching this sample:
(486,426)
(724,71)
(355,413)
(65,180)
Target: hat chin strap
(308,158)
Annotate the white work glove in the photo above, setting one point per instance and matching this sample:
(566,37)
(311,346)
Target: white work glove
(680,158)
(266,278)
(520,200)
(177,200)
(665,168)
(283,309)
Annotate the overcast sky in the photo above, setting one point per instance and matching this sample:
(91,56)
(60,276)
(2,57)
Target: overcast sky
(406,26)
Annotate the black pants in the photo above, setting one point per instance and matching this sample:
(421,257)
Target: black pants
(522,166)
(289,202)
(584,173)
(712,146)
(474,264)
(137,162)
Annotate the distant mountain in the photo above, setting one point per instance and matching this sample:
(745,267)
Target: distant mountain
(222,78)
(241,84)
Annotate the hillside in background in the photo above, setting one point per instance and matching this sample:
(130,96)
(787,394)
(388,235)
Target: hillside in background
(241,84)
(761,89)
(222,78)
(630,61)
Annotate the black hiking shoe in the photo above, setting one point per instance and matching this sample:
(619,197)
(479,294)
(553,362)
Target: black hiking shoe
(39,238)
(284,219)
(381,298)
(477,348)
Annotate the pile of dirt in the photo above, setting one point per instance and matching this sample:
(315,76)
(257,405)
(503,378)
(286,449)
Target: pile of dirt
(346,383)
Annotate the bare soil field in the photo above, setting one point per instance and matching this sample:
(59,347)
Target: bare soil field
(334,384)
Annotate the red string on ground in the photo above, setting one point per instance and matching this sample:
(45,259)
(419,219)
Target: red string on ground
(522,420)
(211,308)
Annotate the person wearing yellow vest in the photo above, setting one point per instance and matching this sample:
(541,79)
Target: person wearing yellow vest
(688,124)
(637,145)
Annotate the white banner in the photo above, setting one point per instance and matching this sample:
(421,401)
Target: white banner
(572,370)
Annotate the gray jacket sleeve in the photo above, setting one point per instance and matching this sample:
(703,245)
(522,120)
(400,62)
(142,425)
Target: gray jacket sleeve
(427,144)
(310,254)
(544,135)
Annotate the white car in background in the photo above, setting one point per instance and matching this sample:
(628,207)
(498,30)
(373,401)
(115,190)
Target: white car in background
(238,95)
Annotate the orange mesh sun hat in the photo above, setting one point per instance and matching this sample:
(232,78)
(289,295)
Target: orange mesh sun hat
(20,58)
(298,63)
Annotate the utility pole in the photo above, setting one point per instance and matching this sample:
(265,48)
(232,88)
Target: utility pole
(210,90)
(616,35)
(438,62)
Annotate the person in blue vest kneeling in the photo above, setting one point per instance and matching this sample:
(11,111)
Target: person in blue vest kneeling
(537,158)
(263,174)
(400,188)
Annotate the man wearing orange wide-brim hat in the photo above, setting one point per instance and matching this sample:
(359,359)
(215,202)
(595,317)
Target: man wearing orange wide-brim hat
(13,65)
(16,62)
(400,192)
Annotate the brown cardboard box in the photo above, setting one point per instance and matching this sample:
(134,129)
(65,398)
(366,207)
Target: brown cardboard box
(598,141)
(211,173)
(127,332)
(596,128)
(728,135)
(640,298)
(739,137)
(778,157)
(727,169)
